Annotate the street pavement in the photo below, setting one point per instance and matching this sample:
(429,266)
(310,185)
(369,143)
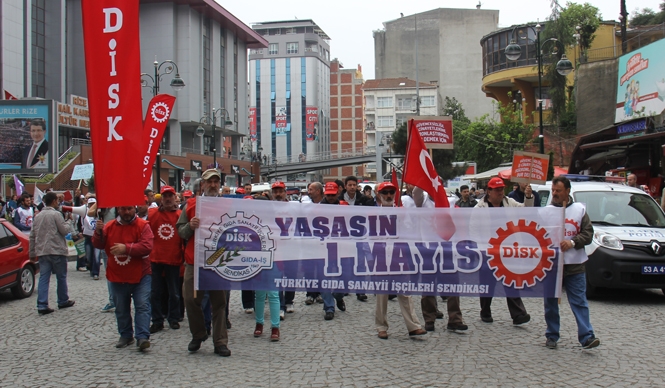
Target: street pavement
(75,347)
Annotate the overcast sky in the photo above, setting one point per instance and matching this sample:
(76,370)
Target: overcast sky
(350,23)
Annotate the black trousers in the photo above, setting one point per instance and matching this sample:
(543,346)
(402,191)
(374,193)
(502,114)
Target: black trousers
(515,306)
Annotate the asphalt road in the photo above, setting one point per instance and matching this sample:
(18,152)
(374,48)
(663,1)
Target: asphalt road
(75,347)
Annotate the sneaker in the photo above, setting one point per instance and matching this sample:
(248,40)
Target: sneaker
(274,335)
(96,277)
(329,316)
(429,326)
(258,330)
(341,305)
(290,309)
(439,314)
(457,327)
(319,299)
(591,343)
(522,320)
(195,344)
(309,300)
(249,310)
(222,350)
(418,332)
(108,308)
(143,344)
(123,342)
(361,297)
(45,311)
(550,343)
(82,269)
(69,303)
(281,315)
(487,319)
(174,325)
(154,328)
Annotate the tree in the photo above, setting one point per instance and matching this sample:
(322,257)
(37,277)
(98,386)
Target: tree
(453,108)
(647,16)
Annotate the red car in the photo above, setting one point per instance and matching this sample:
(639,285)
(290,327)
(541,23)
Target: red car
(17,271)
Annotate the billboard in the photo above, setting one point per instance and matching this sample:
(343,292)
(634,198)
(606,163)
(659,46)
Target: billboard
(252,124)
(436,131)
(280,117)
(311,117)
(27,129)
(641,83)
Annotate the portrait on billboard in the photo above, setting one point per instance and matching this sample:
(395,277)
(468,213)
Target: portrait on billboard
(26,132)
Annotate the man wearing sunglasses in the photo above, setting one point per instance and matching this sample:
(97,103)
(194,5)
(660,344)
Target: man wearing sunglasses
(386,198)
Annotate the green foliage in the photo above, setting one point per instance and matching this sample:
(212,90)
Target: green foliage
(550,167)
(453,108)
(489,142)
(91,184)
(648,16)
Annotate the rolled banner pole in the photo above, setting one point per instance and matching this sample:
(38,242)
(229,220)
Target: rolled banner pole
(559,284)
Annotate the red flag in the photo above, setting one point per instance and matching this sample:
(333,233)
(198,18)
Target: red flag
(419,171)
(157,117)
(112,58)
(9,96)
(393,180)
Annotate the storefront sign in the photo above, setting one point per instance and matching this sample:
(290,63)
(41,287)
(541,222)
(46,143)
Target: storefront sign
(632,127)
(75,114)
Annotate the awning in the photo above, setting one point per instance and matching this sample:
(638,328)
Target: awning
(489,173)
(507,173)
(633,139)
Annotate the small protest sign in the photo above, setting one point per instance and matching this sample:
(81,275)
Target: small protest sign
(529,167)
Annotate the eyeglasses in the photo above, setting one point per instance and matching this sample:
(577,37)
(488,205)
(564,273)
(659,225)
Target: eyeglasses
(387,192)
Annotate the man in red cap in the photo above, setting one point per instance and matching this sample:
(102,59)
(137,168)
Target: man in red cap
(187,224)
(166,259)
(496,197)
(385,197)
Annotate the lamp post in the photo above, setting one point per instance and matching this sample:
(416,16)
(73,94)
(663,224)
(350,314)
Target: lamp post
(200,131)
(563,67)
(248,151)
(176,83)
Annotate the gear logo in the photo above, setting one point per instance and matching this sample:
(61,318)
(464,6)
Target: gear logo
(160,112)
(166,231)
(126,260)
(572,228)
(520,254)
(239,247)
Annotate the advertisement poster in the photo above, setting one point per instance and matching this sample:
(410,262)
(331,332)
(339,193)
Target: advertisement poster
(252,124)
(312,118)
(280,117)
(28,132)
(436,131)
(269,245)
(641,83)
(529,167)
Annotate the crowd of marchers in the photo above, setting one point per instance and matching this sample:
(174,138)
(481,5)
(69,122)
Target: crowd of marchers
(148,253)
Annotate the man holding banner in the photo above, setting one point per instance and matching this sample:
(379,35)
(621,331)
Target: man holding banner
(579,232)
(187,225)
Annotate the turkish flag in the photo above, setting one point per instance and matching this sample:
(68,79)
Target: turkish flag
(157,117)
(9,96)
(393,180)
(112,59)
(419,171)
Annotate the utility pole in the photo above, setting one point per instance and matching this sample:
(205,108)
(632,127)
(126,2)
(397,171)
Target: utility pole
(624,22)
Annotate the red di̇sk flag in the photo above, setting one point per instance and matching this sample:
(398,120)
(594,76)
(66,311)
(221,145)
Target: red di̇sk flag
(112,57)
(157,117)
(419,171)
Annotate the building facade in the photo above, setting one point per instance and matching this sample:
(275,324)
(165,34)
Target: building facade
(42,56)
(388,104)
(289,89)
(347,135)
(445,43)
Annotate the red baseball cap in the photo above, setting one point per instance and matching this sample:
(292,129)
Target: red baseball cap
(385,185)
(187,193)
(278,185)
(240,190)
(167,189)
(495,183)
(330,188)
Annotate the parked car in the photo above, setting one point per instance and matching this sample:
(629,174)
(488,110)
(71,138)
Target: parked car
(628,248)
(17,271)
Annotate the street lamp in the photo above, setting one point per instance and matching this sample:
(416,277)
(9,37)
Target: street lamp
(176,83)
(563,67)
(200,131)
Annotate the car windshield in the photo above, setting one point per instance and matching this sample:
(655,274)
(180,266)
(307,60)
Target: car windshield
(621,208)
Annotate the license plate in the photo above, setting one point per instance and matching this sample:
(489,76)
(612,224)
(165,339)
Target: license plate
(653,269)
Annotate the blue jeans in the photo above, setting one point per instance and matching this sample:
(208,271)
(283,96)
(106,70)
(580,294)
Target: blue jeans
(273,303)
(329,300)
(576,291)
(123,294)
(52,264)
(105,259)
(169,281)
(91,256)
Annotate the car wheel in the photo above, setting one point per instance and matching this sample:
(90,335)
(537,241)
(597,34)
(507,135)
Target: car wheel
(26,283)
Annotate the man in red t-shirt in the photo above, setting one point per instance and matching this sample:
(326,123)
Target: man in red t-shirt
(166,259)
(127,241)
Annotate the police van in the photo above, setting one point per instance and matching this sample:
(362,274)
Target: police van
(628,248)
